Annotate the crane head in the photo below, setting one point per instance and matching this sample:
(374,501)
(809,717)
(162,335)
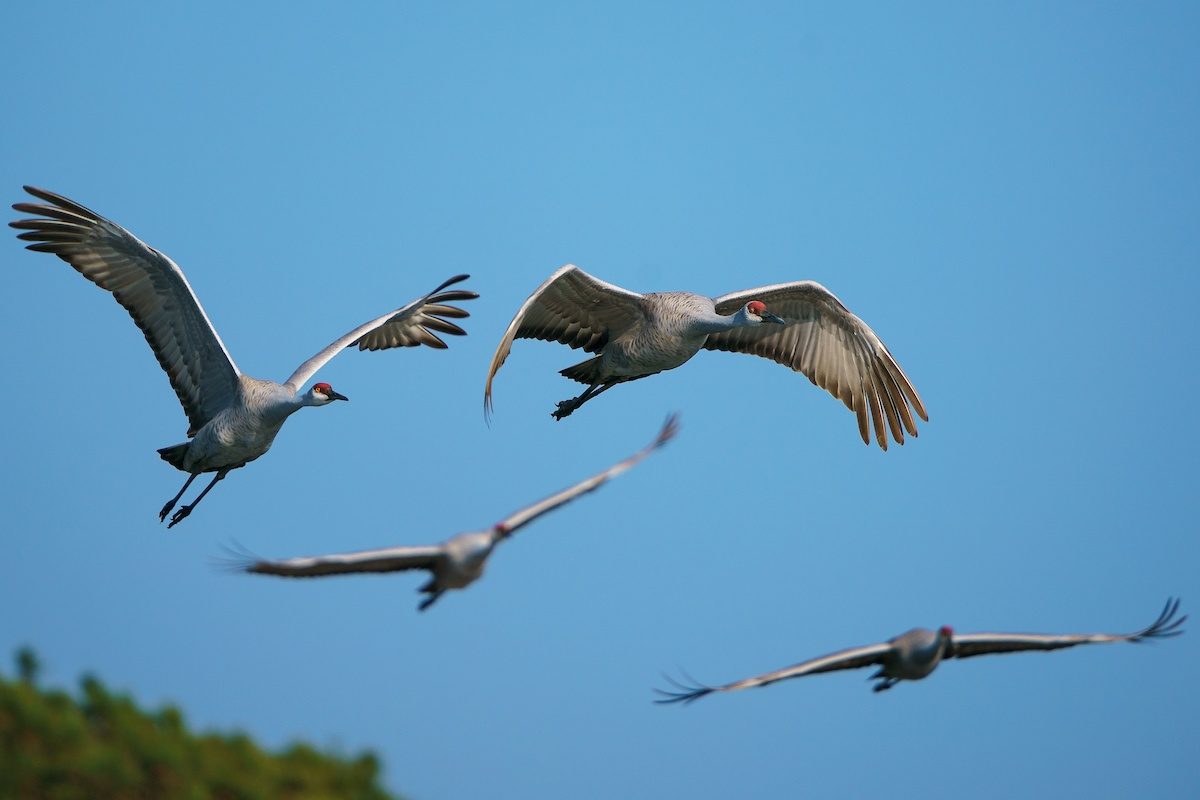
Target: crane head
(946,632)
(323,393)
(756,310)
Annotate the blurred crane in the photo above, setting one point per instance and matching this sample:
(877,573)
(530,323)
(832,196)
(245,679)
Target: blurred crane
(455,563)
(915,654)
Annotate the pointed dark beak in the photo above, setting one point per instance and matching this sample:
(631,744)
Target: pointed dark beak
(336,396)
(769,317)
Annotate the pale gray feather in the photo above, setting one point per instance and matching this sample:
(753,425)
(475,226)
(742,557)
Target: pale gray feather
(833,348)
(408,326)
(573,308)
(151,288)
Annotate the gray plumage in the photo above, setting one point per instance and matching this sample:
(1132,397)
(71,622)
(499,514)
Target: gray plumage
(233,418)
(458,561)
(801,325)
(915,654)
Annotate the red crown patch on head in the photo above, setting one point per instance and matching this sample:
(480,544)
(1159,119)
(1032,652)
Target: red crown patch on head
(946,630)
(756,306)
(324,387)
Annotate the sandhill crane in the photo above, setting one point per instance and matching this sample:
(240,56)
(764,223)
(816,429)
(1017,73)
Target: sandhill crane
(637,335)
(457,562)
(915,654)
(233,418)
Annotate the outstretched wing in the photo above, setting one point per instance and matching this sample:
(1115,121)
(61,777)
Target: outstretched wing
(528,514)
(573,308)
(410,326)
(150,287)
(979,644)
(833,348)
(853,658)
(388,559)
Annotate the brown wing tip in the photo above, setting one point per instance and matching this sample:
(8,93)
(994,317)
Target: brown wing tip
(669,429)
(454,296)
(487,400)
(683,693)
(237,558)
(450,282)
(41,194)
(57,200)
(1166,626)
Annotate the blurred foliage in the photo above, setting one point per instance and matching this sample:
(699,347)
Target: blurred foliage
(101,745)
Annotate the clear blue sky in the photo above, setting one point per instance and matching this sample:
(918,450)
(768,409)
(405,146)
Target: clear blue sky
(1007,193)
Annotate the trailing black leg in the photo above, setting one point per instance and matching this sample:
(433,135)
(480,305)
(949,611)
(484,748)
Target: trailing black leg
(567,406)
(428,601)
(183,511)
(171,503)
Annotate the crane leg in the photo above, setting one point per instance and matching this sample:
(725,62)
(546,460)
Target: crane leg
(428,601)
(171,503)
(567,406)
(183,511)
(884,685)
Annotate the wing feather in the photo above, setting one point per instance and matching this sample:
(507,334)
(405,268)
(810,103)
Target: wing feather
(835,349)
(528,514)
(148,285)
(852,658)
(573,308)
(388,559)
(978,644)
(409,326)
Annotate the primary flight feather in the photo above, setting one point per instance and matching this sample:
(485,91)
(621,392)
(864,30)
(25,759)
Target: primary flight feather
(233,418)
(801,325)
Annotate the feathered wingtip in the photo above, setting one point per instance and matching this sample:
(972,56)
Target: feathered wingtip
(487,409)
(669,429)
(430,313)
(61,209)
(438,296)
(237,558)
(685,693)
(451,282)
(1165,626)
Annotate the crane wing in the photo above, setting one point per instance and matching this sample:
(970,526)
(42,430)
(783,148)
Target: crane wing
(853,658)
(388,559)
(410,326)
(835,349)
(573,308)
(150,287)
(511,524)
(978,644)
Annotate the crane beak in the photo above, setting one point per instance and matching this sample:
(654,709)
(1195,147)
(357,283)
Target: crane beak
(767,316)
(336,396)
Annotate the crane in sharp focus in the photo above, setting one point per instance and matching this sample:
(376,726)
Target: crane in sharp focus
(801,325)
(455,563)
(915,654)
(233,418)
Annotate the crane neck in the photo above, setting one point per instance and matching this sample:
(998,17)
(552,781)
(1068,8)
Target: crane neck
(274,399)
(716,323)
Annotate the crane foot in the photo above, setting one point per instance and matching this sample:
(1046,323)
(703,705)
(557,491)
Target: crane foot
(179,516)
(564,409)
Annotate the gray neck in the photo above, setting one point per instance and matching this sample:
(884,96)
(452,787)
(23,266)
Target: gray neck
(283,408)
(715,323)
(273,399)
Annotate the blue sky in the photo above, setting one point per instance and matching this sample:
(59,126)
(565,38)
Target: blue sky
(1006,193)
